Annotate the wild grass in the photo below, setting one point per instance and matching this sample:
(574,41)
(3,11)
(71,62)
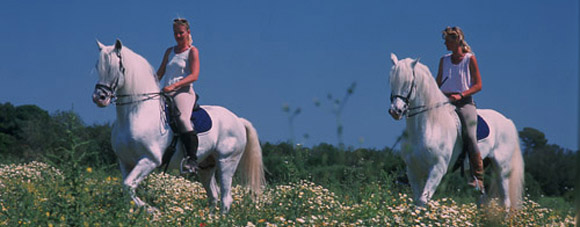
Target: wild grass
(37,193)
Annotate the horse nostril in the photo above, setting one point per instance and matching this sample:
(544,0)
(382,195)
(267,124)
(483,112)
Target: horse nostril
(102,97)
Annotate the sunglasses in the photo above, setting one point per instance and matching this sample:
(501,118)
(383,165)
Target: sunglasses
(454,35)
(180,20)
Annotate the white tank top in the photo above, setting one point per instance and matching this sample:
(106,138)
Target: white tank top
(177,67)
(456,78)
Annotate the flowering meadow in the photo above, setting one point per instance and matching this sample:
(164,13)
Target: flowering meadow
(39,194)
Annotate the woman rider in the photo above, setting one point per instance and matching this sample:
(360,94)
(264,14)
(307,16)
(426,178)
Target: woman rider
(179,69)
(459,78)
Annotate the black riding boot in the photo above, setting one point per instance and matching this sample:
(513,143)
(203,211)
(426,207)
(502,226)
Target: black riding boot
(190,141)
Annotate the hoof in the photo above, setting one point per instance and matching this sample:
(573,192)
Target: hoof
(152,210)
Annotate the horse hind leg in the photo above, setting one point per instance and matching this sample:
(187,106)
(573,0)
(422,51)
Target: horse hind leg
(207,179)
(502,184)
(505,192)
(227,170)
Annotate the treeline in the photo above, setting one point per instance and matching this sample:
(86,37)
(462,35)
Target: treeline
(29,133)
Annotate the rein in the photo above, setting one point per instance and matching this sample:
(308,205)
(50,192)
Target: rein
(424,108)
(147,97)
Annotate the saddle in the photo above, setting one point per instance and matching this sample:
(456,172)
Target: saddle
(200,120)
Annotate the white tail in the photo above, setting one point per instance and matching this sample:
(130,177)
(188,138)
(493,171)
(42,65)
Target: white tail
(516,178)
(251,165)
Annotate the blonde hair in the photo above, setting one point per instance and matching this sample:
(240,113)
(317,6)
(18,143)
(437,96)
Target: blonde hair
(456,33)
(183,22)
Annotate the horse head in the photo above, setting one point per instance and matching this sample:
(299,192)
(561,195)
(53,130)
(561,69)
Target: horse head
(402,81)
(111,73)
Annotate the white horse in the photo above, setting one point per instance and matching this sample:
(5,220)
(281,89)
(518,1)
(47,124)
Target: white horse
(141,134)
(433,135)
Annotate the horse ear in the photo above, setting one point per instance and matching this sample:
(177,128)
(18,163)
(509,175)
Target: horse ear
(118,45)
(414,63)
(394,58)
(101,46)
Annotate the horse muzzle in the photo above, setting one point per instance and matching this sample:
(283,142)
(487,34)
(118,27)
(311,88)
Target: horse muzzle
(398,108)
(395,114)
(398,113)
(101,98)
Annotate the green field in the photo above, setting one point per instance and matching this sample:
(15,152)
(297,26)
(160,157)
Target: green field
(39,194)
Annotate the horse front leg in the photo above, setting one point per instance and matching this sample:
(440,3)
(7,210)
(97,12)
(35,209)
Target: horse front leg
(434,177)
(136,175)
(416,182)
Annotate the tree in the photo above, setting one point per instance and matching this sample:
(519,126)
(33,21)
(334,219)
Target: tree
(532,139)
(550,165)
(29,133)
(15,124)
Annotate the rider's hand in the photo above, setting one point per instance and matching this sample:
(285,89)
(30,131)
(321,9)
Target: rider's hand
(169,88)
(455,97)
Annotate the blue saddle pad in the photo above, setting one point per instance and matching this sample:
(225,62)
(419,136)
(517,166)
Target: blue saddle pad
(201,120)
(482,128)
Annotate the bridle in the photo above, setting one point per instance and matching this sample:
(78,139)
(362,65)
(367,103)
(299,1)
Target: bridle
(408,96)
(418,109)
(110,90)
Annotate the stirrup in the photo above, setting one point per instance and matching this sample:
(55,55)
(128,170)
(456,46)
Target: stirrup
(476,185)
(184,162)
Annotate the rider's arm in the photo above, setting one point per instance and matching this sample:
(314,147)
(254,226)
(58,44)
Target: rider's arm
(475,77)
(161,70)
(439,72)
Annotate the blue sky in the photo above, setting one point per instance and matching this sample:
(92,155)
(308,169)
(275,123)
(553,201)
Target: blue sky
(257,56)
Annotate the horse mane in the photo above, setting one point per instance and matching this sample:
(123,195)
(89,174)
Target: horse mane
(432,95)
(139,73)
(425,79)
(426,88)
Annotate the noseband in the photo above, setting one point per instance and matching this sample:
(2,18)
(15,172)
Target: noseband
(109,90)
(408,96)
